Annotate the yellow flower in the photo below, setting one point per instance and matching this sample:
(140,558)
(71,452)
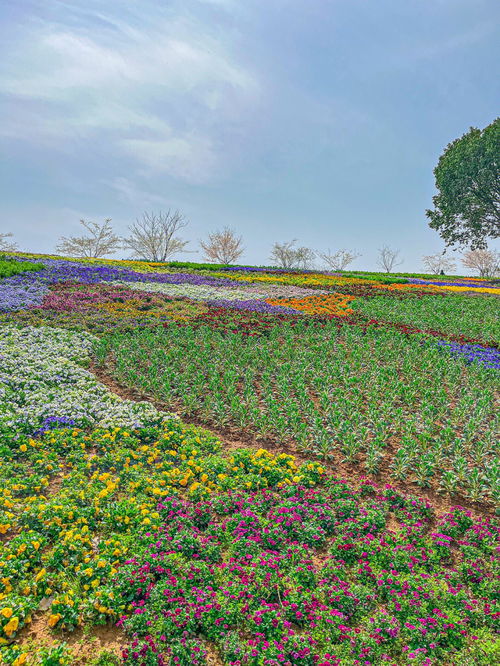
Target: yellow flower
(54,619)
(40,574)
(6,612)
(11,626)
(20,660)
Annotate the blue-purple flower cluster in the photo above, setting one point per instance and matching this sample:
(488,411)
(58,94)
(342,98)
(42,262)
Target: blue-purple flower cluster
(27,290)
(488,357)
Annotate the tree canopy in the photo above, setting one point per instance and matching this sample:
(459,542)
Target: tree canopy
(467,205)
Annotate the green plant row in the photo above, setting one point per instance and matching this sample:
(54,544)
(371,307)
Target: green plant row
(374,399)
(10,267)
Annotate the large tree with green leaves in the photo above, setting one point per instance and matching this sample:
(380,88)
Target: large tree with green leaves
(467,205)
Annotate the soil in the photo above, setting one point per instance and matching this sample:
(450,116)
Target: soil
(84,644)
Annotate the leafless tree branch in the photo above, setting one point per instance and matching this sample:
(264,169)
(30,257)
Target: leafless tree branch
(223,246)
(99,242)
(339,260)
(388,258)
(435,263)
(154,236)
(486,262)
(7,245)
(286,255)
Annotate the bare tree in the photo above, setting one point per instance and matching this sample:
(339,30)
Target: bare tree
(388,258)
(486,262)
(99,242)
(223,246)
(338,261)
(154,236)
(7,245)
(286,255)
(437,263)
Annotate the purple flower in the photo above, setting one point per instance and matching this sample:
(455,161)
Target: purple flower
(488,357)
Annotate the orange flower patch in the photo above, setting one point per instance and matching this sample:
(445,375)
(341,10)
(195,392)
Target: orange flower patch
(328,304)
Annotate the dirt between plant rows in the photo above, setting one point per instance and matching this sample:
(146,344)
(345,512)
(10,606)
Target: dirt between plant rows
(234,438)
(84,643)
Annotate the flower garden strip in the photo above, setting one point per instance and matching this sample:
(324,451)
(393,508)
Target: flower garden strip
(114,512)
(42,381)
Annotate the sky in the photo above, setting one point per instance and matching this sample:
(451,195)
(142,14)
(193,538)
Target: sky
(320,120)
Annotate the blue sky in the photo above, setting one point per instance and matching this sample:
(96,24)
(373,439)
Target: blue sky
(320,120)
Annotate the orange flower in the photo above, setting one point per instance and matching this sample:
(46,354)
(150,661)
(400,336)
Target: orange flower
(328,304)
(54,619)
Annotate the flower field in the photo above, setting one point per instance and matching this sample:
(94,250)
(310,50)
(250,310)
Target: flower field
(246,467)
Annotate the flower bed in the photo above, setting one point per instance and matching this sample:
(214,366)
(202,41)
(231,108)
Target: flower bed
(41,378)
(74,504)
(307,576)
(330,304)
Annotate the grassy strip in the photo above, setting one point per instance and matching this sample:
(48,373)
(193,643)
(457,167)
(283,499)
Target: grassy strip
(10,267)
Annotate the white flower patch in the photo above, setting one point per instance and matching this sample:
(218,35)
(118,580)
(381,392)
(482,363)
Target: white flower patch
(194,291)
(41,377)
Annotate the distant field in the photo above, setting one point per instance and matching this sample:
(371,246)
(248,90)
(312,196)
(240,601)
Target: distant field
(205,464)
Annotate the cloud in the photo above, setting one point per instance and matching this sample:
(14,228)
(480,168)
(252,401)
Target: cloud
(190,157)
(163,88)
(129,193)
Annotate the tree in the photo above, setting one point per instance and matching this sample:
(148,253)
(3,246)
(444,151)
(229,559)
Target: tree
(338,261)
(286,255)
(223,247)
(388,258)
(467,206)
(99,242)
(435,263)
(486,262)
(7,245)
(154,237)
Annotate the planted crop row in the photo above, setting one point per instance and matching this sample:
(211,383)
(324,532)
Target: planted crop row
(475,317)
(399,406)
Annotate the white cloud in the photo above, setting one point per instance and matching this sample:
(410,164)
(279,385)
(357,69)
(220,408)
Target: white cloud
(190,157)
(130,193)
(162,88)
